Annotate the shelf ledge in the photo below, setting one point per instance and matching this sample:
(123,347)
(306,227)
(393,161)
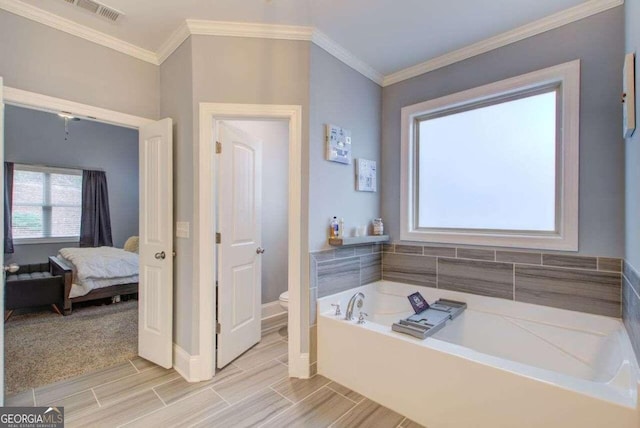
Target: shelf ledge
(358,240)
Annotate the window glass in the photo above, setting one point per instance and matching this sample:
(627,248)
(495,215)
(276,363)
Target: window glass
(46,203)
(492,167)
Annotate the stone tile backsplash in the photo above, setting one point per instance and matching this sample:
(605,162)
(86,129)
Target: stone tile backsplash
(598,285)
(333,271)
(477,277)
(580,283)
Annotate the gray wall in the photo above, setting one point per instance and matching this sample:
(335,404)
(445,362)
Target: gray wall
(275,202)
(343,97)
(254,71)
(598,42)
(35,137)
(176,101)
(631,277)
(41,59)
(632,167)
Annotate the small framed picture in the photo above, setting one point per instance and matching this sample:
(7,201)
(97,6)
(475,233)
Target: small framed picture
(338,141)
(366,180)
(628,96)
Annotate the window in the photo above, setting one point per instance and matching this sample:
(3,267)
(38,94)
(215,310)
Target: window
(46,204)
(495,165)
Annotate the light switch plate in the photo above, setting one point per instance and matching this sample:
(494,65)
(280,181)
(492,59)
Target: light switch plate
(182,229)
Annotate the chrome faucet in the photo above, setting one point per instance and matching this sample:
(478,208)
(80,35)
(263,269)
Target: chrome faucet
(356,300)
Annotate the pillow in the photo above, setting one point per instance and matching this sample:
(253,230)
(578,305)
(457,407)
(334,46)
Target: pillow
(131,244)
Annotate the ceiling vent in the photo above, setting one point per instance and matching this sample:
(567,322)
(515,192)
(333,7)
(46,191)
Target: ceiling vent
(97,9)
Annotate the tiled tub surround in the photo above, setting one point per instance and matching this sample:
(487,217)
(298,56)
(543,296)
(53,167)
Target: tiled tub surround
(333,271)
(579,283)
(631,305)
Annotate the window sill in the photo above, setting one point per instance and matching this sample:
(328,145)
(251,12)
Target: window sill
(566,242)
(58,240)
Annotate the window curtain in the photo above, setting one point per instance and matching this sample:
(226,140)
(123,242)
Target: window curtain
(95,222)
(8,207)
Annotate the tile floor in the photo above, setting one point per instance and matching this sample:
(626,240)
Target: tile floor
(253,391)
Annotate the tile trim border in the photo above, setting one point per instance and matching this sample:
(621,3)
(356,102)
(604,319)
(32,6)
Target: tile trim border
(391,248)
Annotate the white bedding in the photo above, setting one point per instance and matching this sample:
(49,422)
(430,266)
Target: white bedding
(100,267)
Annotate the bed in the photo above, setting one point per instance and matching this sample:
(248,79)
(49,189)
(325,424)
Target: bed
(95,273)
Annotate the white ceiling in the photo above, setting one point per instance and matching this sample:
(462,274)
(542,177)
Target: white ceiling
(389,35)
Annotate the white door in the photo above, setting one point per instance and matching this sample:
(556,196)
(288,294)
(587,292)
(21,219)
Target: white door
(155,305)
(2,240)
(239,251)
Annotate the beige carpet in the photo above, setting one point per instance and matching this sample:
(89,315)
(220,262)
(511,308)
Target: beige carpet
(43,347)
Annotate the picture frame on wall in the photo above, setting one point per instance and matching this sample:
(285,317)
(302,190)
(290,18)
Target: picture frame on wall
(366,175)
(628,96)
(338,144)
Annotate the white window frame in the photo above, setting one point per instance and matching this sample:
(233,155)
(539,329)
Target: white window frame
(565,237)
(47,170)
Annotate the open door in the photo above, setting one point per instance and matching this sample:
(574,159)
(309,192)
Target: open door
(155,305)
(239,249)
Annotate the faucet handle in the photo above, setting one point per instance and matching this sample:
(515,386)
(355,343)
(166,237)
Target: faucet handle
(338,312)
(361,319)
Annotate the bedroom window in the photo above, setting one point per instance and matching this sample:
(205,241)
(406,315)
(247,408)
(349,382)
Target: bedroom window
(495,165)
(47,204)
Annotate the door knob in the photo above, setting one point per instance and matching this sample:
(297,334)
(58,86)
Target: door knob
(160,256)
(259,250)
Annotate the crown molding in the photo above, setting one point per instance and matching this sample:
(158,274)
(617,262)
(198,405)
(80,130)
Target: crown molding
(292,32)
(550,22)
(54,21)
(266,31)
(248,29)
(333,48)
(174,41)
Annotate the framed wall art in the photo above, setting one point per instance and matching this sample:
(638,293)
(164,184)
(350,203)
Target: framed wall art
(338,141)
(628,96)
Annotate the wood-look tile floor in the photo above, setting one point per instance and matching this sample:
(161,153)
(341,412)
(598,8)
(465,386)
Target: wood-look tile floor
(253,391)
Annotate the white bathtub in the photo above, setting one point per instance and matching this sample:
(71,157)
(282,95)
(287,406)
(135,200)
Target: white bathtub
(500,364)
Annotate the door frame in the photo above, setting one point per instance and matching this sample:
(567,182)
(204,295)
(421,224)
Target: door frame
(35,101)
(205,166)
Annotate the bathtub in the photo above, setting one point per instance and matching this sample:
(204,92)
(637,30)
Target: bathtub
(499,364)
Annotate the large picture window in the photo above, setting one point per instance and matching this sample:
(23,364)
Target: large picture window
(47,204)
(495,165)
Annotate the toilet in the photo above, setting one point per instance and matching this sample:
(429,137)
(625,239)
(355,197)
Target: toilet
(284,300)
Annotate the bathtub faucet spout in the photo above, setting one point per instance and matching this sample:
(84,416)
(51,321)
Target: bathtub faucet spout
(356,300)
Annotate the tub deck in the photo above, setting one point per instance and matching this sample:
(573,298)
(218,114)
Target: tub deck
(497,355)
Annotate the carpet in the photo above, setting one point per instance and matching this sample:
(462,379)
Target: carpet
(43,347)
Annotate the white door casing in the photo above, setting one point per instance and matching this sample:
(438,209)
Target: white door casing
(239,251)
(155,305)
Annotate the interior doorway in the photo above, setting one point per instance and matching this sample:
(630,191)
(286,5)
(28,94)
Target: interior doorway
(156,195)
(210,116)
(252,164)
(53,160)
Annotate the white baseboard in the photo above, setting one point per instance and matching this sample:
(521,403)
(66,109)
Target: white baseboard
(190,366)
(272,309)
(186,364)
(299,367)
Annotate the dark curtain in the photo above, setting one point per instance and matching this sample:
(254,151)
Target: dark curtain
(95,223)
(8,207)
